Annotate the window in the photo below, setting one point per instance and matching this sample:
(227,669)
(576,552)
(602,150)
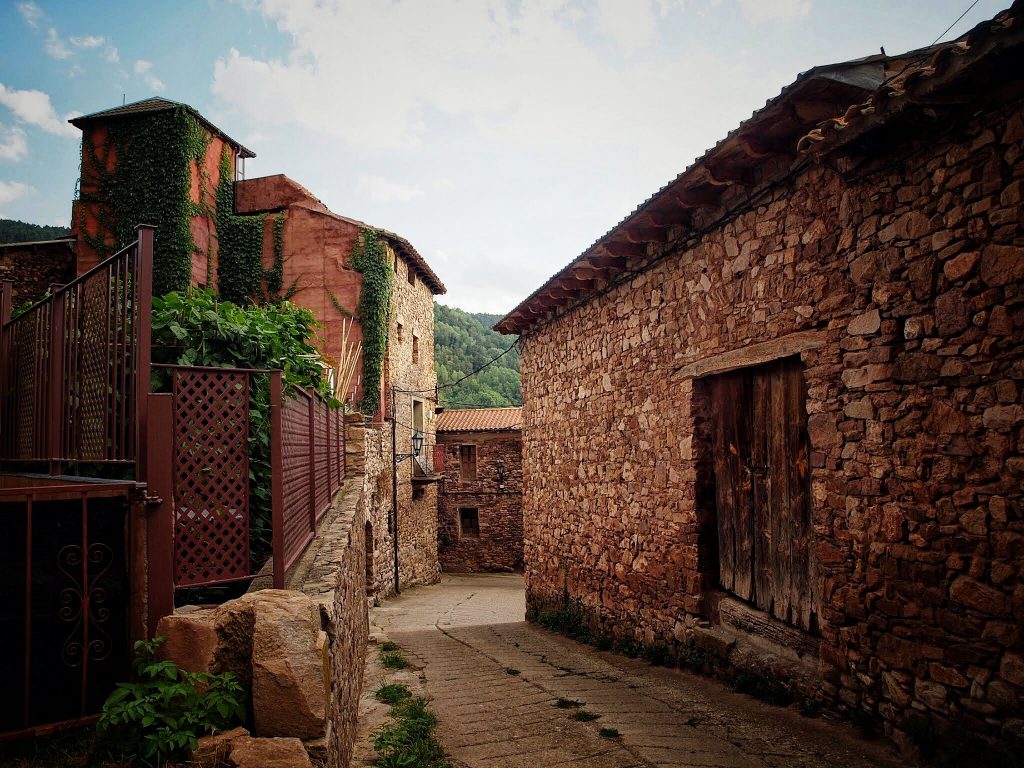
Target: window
(415,348)
(412,276)
(467,462)
(469,523)
(395,263)
(417,416)
(398,332)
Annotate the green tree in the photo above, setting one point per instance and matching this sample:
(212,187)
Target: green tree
(463,343)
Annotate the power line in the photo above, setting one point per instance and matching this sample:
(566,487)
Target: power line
(969,8)
(455,383)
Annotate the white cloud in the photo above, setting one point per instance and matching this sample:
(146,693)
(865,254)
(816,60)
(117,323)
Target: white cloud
(144,69)
(529,75)
(34,108)
(444,184)
(760,11)
(111,55)
(31,13)
(13,143)
(89,41)
(13,190)
(56,47)
(630,24)
(381,190)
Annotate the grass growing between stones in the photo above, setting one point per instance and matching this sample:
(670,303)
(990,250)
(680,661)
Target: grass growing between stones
(512,671)
(568,704)
(609,733)
(394,660)
(388,646)
(583,716)
(392,693)
(408,739)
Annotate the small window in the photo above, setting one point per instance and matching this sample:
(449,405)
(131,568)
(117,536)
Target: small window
(467,462)
(415,348)
(469,523)
(412,276)
(395,263)
(398,332)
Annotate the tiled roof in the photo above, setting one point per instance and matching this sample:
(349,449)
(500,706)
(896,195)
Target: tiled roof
(480,420)
(925,80)
(817,95)
(153,105)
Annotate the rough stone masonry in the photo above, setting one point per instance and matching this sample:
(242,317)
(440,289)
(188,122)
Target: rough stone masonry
(899,289)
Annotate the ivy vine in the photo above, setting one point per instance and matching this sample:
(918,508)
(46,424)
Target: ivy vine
(142,175)
(239,243)
(370,258)
(275,275)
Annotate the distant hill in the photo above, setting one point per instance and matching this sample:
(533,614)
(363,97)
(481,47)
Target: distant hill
(462,343)
(12,231)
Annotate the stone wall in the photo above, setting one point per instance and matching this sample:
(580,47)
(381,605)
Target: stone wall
(371,457)
(412,317)
(909,281)
(34,267)
(499,503)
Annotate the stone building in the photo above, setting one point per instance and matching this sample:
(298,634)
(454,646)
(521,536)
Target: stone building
(34,266)
(216,226)
(480,504)
(777,410)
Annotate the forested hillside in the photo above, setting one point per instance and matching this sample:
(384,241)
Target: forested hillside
(12,231)
(464,342)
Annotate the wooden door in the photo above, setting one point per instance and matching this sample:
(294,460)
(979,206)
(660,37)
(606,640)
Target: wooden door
(760,451)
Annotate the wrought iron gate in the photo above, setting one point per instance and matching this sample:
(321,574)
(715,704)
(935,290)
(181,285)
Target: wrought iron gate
(63,601)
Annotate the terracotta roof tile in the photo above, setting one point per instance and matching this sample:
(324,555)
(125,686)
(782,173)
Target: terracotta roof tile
(480,420)
(157,104)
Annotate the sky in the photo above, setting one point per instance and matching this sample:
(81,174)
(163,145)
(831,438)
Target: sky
(500,137)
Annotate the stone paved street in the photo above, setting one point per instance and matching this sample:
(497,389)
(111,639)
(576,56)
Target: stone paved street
(466,634)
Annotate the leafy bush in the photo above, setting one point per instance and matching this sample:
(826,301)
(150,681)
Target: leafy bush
(196,328)
(162,715)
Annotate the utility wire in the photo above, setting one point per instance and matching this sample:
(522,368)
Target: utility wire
(969,8)
(489,363)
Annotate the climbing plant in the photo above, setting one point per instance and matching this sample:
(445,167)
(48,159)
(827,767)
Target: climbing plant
(239,243)
(275,275)
(195,328)
(141,174)
(370,258)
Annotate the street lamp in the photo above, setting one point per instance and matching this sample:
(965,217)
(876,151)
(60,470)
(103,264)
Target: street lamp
(417,446)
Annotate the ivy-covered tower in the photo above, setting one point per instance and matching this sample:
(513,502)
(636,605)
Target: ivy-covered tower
(157,162)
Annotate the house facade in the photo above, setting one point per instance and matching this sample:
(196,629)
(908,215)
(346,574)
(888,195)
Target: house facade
(268,239)
(479,511)
(777,412)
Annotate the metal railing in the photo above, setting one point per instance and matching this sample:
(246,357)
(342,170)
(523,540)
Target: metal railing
(77,366)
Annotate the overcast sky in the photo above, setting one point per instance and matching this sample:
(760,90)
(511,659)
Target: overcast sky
(501,137)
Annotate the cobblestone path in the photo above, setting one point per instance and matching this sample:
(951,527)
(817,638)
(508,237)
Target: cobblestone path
(495,681)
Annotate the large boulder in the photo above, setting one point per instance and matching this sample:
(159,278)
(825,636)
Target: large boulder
(249,752)
(289,689)
(271,642)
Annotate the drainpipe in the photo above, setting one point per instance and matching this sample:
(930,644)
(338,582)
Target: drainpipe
(394,482)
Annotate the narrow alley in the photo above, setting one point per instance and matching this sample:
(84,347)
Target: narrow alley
(496,681)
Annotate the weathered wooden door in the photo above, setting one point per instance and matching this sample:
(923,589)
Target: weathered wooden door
(760,451)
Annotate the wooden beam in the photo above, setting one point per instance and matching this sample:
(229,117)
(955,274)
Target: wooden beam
(704,198)
(760,149)
(641,234)
(723,175)
(603,259)
(667,217)
(620,248)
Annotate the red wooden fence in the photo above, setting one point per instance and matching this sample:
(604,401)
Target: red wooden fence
(76,366)
(307,448)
